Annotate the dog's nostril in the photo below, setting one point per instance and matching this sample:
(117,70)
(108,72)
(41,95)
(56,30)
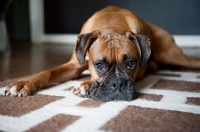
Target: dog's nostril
(118,84)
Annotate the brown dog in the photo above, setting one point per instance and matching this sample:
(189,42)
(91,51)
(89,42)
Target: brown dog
(117,43)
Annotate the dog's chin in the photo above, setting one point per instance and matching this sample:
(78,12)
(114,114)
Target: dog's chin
(101,92)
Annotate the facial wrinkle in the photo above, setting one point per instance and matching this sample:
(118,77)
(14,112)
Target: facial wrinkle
(116,53)
(118,68)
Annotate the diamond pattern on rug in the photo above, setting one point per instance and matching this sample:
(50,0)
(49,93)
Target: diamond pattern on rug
(146,119)
(55,124)
(14,106)
(193,100)
(151,97)
(91,103)
(160,106)
(177,85)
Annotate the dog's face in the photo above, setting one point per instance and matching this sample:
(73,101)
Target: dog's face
(114,60)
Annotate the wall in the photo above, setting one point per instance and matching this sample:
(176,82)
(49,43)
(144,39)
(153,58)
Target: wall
(176,16)
(17,20)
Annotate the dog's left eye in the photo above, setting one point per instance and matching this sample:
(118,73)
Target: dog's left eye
(100,66)
(130,65)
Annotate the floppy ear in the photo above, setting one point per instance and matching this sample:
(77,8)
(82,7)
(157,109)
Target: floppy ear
(83,43)
(144,45)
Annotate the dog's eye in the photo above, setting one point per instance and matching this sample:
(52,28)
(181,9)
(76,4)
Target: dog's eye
(100,66)
(130,65)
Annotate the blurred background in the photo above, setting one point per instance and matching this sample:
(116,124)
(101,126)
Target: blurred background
(178,17)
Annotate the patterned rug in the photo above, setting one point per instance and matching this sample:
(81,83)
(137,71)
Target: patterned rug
(167,101)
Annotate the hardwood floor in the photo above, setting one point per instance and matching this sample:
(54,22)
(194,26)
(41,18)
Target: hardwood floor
(26,59)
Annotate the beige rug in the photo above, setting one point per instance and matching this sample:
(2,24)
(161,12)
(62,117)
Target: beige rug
(168,101)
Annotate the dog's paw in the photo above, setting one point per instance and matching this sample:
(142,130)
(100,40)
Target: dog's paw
(18,89)
(80,90)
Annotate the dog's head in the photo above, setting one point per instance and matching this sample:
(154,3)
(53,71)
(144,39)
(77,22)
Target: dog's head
(114,60)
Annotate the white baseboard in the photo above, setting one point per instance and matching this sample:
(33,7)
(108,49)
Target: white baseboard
(181,40)
(187,40)
(64,39)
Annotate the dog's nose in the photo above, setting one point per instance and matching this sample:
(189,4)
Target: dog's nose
(117,84)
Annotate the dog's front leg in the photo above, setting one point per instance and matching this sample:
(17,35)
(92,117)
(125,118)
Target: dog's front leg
(61,73)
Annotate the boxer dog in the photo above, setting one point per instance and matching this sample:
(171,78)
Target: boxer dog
(114,44)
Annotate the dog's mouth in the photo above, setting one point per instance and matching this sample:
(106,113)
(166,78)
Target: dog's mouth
(113,89)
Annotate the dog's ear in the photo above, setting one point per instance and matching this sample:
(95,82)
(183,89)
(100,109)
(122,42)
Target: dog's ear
(143,45)
(83,43)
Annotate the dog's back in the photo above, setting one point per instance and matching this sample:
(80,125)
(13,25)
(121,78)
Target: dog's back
(113,17)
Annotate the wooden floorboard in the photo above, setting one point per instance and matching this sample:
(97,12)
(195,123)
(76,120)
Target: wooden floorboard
(25,59)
